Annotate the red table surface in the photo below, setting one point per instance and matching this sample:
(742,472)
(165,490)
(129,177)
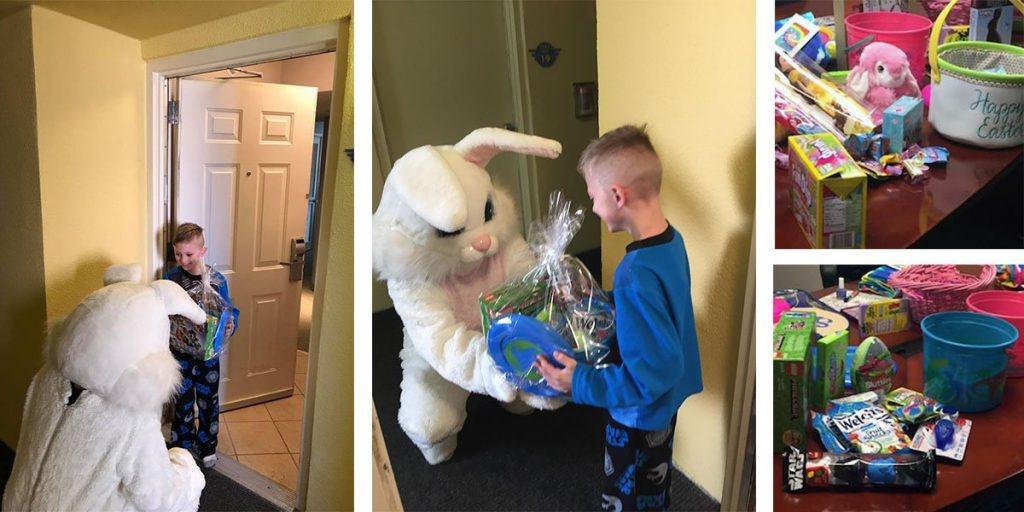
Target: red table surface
(995,450)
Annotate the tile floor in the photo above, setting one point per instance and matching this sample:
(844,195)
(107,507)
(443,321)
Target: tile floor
(266,437)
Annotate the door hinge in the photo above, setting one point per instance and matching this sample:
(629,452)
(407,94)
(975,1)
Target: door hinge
(172,111)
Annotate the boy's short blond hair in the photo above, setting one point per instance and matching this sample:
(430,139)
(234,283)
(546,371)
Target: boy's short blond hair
(188,232)
(641,171)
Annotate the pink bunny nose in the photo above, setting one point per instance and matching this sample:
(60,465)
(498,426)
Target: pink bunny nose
(483,243)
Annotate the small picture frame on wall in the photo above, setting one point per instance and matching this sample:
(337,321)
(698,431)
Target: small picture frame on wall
(585,98)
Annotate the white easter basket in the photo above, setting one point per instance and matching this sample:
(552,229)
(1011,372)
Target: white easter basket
(968,103)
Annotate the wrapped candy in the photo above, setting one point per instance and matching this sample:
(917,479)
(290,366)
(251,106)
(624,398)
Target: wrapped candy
(556,297)
(804,77)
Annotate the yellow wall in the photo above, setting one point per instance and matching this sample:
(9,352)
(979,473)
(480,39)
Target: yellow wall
(330,466)
(22,300)
(247,25)
(687,70)
(90,93)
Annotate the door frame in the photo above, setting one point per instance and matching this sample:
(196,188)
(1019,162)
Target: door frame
(282,45)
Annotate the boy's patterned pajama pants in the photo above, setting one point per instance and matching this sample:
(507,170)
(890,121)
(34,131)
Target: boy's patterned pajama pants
(200,381)
(637,467)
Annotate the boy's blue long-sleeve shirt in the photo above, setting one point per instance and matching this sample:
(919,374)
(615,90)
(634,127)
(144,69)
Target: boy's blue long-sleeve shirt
(656,335)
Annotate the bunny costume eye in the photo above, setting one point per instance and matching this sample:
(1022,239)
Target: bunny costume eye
(488,210)
(446,234)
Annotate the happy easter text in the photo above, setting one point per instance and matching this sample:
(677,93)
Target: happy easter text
(1002,120)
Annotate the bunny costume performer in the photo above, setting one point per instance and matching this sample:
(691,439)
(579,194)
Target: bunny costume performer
(442,235)
(90,436)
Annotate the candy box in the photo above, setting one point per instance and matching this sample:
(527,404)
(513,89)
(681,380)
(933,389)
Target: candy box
(826,376)
(791,362)
(901,123)
(828,192)
(883,317)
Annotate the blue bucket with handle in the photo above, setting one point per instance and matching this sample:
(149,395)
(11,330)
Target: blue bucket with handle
(965,358)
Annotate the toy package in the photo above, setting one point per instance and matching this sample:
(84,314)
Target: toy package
(559,294)
(793,337)
(805,77)
(1010,277)
(826,376)
(912,471)
(828,192)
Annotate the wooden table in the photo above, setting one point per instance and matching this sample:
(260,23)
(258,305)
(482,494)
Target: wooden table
(900,214)
(995,450)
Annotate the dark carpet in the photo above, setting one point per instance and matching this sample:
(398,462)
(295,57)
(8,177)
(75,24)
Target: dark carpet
(221,493)
(545,461)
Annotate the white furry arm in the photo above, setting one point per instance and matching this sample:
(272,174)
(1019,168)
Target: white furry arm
(456,352)
(160,479)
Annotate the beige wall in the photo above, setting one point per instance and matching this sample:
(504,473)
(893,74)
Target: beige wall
(92,169)
(572,27)
(247,25)
(688,71)
(23,300)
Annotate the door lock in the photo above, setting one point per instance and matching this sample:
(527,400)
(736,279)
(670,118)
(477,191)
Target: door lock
(297,260)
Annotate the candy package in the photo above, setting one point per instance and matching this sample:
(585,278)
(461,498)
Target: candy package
(868,428)
(910,407)
(912,471)
(559,293)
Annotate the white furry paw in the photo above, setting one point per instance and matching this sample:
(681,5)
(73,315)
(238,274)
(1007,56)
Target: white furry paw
(541,402)
(436,453)
(495,382)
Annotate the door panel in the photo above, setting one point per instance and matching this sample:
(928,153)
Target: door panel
(244,176)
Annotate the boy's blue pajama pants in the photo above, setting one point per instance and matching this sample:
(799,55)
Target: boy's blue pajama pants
(637,467)
(200,381)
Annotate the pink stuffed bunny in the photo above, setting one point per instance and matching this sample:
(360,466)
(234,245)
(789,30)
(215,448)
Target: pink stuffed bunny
(881,77)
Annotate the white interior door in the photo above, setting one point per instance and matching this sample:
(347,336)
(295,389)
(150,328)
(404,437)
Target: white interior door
(243,175)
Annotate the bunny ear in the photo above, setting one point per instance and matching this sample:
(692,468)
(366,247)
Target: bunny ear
(426,183)
(483,144)
(130,272)
(177,302)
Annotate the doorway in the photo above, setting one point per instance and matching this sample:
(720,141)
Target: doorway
(243,154)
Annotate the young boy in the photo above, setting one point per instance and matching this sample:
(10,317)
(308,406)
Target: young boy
(200,378)
(655,331)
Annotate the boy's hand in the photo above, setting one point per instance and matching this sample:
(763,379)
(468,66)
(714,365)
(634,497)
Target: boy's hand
(560,379)
(229,329)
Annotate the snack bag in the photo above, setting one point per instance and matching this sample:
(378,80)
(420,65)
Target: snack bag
(913,471)
(559,292)
(868,428)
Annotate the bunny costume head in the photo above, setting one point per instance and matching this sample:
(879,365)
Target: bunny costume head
(442,235)
(90,435)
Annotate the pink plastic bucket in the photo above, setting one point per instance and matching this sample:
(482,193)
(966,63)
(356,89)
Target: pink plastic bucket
(908,32)
(1010,307)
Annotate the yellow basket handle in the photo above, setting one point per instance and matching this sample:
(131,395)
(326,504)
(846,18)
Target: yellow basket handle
(933,40)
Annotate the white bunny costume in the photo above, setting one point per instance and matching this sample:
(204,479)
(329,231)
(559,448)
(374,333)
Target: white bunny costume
(97,445)
(442,235)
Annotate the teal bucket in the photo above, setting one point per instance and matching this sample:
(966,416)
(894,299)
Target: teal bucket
(965,357)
